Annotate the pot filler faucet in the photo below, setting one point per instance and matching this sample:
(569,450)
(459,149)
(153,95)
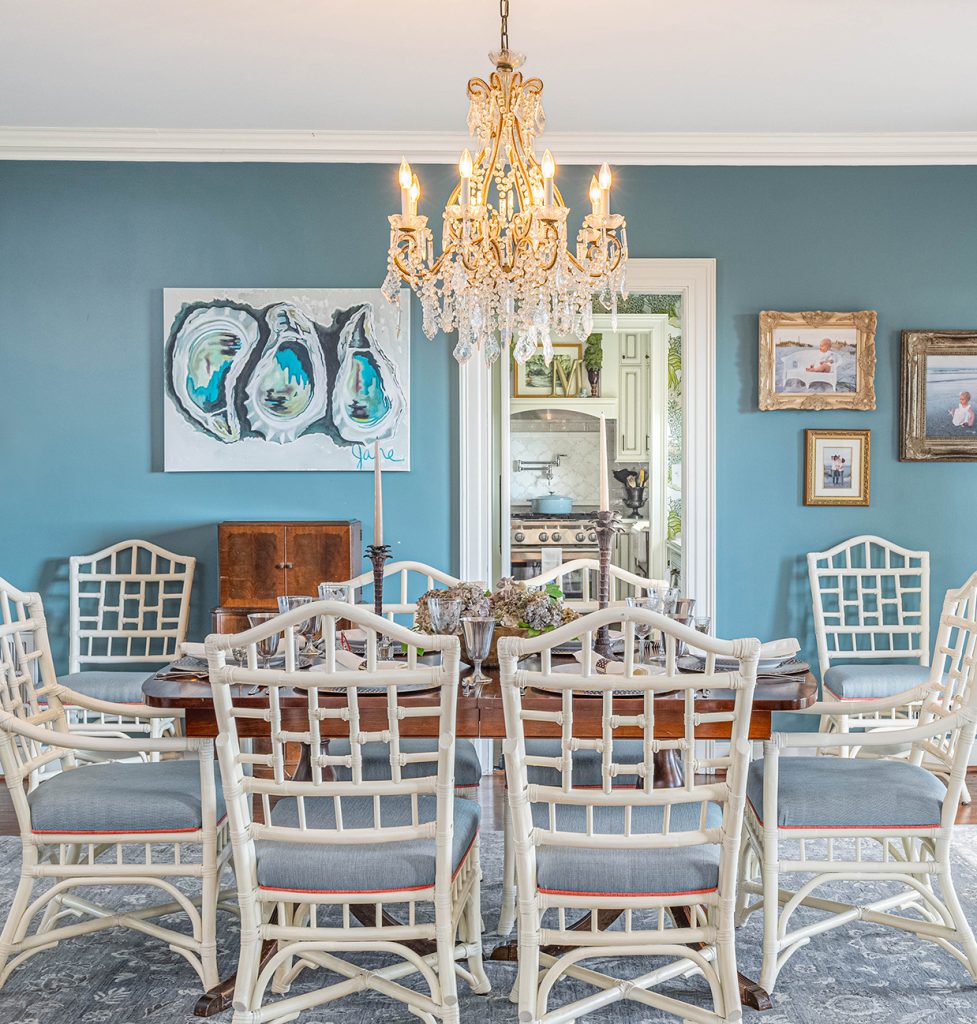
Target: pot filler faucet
(538,466)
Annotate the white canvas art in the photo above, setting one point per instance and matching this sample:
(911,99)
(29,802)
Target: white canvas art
(279,379)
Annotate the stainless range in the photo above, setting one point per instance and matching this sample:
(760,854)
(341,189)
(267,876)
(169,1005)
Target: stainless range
(561,537)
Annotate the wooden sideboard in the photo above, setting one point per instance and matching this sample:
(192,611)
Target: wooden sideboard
(259,561)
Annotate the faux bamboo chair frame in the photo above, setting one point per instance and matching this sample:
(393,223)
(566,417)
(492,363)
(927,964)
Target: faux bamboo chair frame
(849,630)
(34,735)
(913,857)
(710,914)
(291,918)
(405,572)
(620,581)
(129,604)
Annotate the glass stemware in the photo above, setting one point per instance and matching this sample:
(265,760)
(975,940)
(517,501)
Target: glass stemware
(267,647)
(478,631)
(652,603)
(445,614)
(304,630)
(334,592)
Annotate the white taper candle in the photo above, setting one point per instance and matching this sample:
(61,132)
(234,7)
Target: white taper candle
(605,501)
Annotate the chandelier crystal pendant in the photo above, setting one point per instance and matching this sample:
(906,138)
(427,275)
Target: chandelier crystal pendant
(505,273)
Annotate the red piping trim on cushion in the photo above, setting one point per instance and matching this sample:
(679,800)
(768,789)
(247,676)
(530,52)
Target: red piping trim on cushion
(624,895)
(787,828)
(369,892)
(117,832)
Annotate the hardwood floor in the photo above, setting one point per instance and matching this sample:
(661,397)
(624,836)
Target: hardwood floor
(491,796)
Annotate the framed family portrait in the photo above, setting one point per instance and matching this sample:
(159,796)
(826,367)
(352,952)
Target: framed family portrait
(838,467)
(939,396)
(817,360)
(562,378)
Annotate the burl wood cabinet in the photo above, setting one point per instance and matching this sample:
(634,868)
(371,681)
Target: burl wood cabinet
(260,561)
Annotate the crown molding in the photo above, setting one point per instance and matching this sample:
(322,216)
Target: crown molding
(685,148)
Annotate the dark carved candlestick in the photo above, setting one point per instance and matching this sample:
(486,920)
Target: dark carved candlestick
(606,525)
(379,555)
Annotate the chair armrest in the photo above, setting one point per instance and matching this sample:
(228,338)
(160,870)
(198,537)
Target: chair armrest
(79,741)
(73,698)
(874,738)
(868,706)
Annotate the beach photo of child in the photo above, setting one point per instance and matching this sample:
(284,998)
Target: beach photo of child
(811,360)
(951,383)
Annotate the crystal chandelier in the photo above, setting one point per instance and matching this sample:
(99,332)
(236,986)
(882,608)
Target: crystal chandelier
(505,272)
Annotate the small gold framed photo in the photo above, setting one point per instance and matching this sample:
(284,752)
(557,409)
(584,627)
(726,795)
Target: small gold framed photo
(838,467)
(561,378)
(817,360)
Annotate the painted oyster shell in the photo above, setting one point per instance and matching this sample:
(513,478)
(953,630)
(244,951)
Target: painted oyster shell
(208,355)
(287,391)
(368,399)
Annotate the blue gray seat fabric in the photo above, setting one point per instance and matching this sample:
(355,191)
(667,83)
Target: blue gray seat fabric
(376,760)
(866,682)
(586,764)
(843,792)
(119,797)
(360,867)
(634,872)
(117,687)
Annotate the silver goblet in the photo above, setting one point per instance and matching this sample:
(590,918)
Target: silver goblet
(478,631)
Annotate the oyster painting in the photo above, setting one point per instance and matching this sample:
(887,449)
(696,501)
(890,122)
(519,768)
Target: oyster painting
(267,379)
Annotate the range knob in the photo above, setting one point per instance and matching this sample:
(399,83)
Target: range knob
(518,536)
(557,537)
(592,537)
(543,538)
(580,537)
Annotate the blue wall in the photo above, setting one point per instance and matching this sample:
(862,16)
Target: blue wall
(85,250)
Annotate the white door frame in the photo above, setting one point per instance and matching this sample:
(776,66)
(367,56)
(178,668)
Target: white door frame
(695,281)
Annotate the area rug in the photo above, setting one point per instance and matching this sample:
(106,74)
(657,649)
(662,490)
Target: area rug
(862,973)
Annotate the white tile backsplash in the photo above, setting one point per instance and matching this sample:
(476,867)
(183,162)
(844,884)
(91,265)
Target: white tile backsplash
(575,477)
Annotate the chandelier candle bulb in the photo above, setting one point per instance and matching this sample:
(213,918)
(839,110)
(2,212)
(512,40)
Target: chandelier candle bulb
(406,177)
(594,196)
(604,181)
(548,168)
(414,195)
(605,500)
(377,498)
(465,171)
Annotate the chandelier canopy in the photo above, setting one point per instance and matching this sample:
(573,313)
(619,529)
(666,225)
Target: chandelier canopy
(505,273)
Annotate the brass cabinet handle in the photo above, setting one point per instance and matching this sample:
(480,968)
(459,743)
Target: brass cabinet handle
(288,565)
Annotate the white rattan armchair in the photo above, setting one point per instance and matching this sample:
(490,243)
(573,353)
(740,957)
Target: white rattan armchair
(332,850)
(128,606)
(623,584)
(654,852)
(823,817)
(871,620)
(112,824)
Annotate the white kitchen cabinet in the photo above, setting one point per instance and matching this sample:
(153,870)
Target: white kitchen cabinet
(633,396)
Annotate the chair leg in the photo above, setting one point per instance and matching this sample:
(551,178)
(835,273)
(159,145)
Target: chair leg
(528,977)
(446,967)
(771,913)
(507,916)
(15,916)
(249,962)
(731,1011)
(208,925)
(747,860)
(472,924)
(966,935)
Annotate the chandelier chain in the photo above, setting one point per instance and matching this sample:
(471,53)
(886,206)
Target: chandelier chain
(504,13)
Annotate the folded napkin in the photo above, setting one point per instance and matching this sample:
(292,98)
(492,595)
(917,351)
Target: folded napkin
(606,667)
(783,649)
(192,650)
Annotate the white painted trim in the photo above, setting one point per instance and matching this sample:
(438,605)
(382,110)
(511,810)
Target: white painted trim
(683,148)
(475,490)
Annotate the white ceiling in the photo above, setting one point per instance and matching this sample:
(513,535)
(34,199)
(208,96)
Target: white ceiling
(609,65)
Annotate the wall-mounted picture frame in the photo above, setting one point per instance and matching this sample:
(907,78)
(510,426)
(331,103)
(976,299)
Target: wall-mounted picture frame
(838,467)
(562,378)
(939,396)
(817,360)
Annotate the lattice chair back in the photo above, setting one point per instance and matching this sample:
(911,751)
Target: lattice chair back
(28,687)
(129,604)
(334,708)
(623,584)
(412,580)
(871,602)
(952,693)
(628,708)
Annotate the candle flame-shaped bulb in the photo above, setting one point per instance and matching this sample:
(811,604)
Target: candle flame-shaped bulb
(594,190)
(465,164)
(415,189)
(604,177)
(548,165)
(405,175)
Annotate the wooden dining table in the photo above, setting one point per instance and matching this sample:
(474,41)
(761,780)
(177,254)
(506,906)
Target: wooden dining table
(480,716)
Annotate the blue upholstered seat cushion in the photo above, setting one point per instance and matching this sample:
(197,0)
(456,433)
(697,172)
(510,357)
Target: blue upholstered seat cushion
(376,760)
(360,867)
(864,682)
(117,687)
(121,797)
(845,792)
(586,763)
(629,872)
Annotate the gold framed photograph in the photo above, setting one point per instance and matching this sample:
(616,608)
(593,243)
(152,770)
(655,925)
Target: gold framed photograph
(939,396)
(562,378)
(817,360)
(838,467)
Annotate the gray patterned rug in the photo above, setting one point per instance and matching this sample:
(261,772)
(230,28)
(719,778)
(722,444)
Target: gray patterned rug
(864,973)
